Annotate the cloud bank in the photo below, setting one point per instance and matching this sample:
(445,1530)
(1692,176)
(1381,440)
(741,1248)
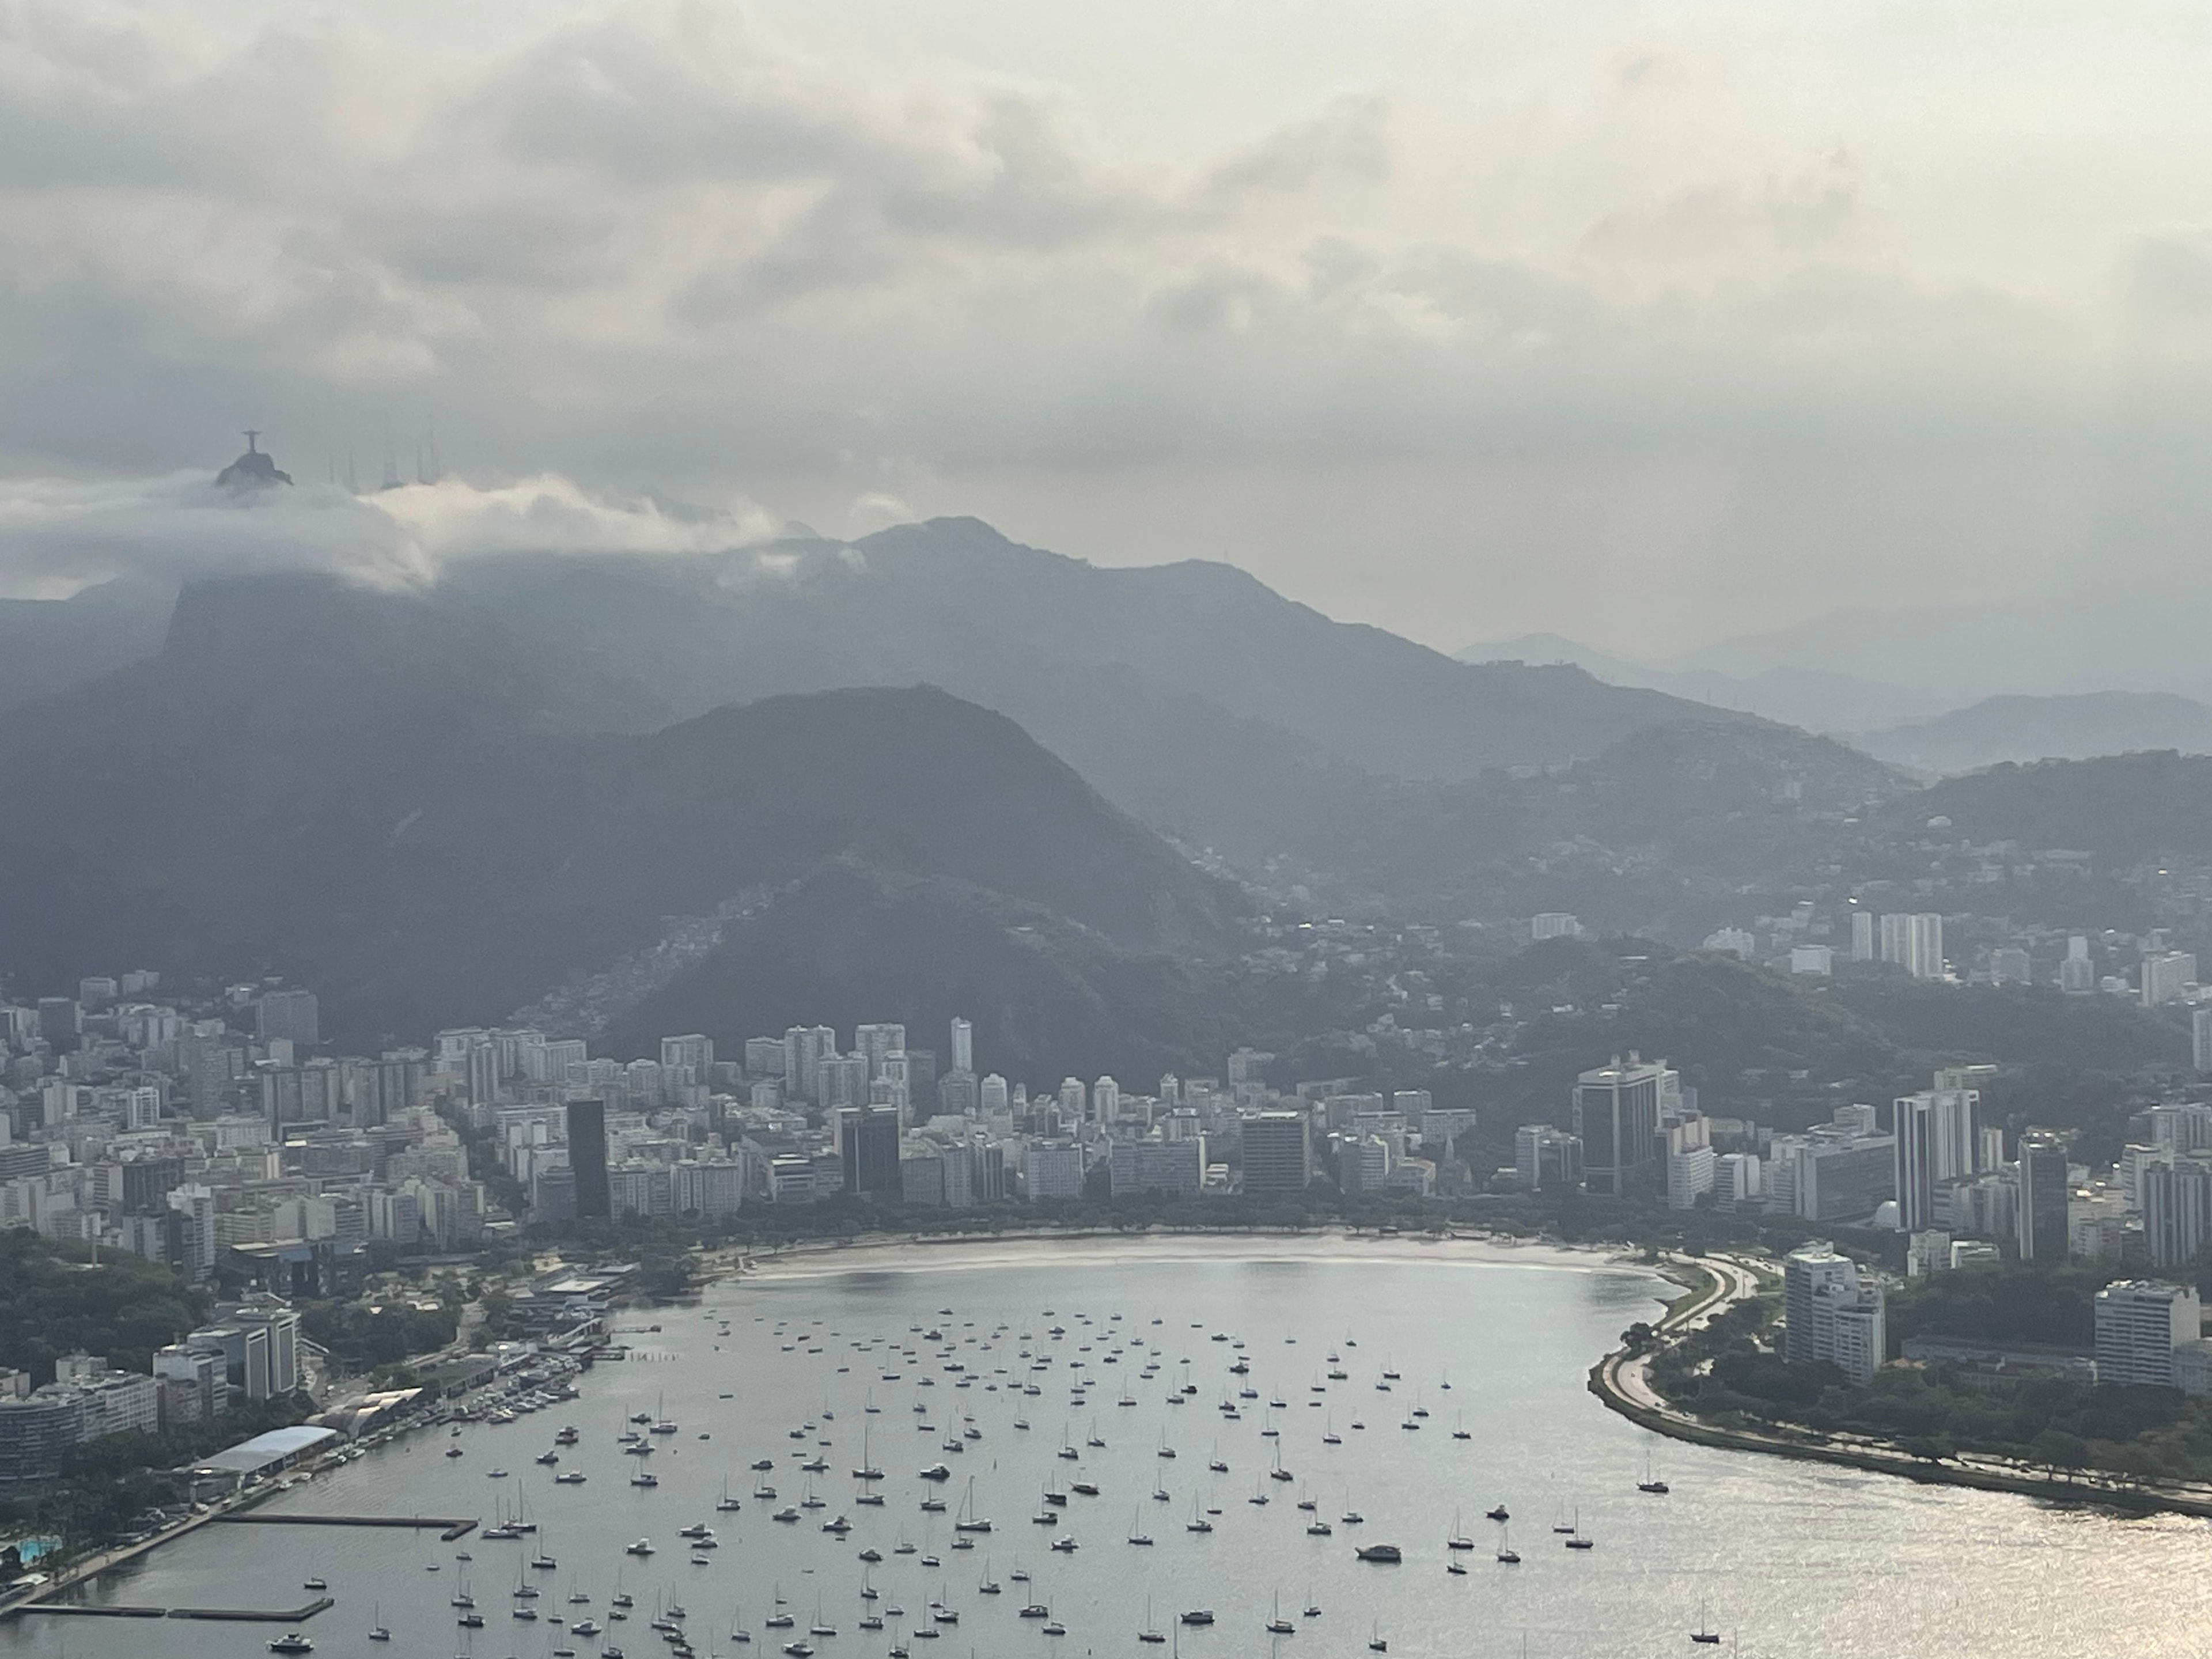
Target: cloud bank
(1646,328)
(58,536)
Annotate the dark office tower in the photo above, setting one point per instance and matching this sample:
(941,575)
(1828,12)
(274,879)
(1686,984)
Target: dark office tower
(2043,1196)
(868,1145)
(588,1156)
(60,1023)
(148,1182)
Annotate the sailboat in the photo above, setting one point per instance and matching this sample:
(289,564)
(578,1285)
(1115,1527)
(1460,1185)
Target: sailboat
(1458,1540)
(1376,1643)
(1575,1539)
(968,1520)
(1506,1553)
(1650,1484)
(738,1634)
(1197,1522)
(867,1471)
(727,1504)
(377,1633)
(1704,1634)
(1148,1633)
(1137,1533)
(1276,1625)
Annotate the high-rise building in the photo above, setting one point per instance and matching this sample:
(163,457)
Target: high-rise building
(692,1054)
(805,1047)
(2177,1209)
(586,1125)
(2078,973)
(1914,941)
(1862,940)
(1053,1169)
(956,1094)
(1554,924)
(1177,1167)
(2165,973)
(1546,1159)
(2042,1197)
(1075,1100)
(1278,1149)
(963,1045)
(2200,1036)
(2139,1323)
(61,1022)
(293,1016)
(1833,1314)
(1106,1100)
(1938,1141)
(868,1144)
(841,1080)
(876,1043)
(1618,1111)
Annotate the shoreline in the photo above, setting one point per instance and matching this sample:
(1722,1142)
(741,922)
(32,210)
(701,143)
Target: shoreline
(1101,1246)
(1618,1380)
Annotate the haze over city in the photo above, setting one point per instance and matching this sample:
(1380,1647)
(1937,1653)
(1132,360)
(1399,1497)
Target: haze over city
(1405,808)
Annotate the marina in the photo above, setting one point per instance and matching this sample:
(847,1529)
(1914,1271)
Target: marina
(909,1386)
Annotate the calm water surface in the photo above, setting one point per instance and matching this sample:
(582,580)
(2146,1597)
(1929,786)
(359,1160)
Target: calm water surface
(1783,1559)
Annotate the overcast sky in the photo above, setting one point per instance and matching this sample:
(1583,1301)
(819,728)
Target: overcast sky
(1648,323)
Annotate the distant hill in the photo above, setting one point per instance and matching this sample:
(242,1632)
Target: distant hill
(850,942)
(1104,665)
(391,799)
(50,645)
(1819,702)
(2077,727)
(1191,695)
(2117,808)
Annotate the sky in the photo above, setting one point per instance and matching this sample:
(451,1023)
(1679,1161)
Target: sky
(1648,323)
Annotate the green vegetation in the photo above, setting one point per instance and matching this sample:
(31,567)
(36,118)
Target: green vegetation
(106,1485)
(1727,1376)
(51,1305)
(362,1336)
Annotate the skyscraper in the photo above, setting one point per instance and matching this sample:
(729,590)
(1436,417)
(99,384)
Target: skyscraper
(1862,947)
(2077,974)
(293,1015)
(1938,1141)
(963,1045)
(1832,1313)
(1618,1111)
(2177,1209)
(588,1156)
(1278,1153)
(1914,941)
(876,1043)
(2043,1195)
(2140,1323)
(868,1142)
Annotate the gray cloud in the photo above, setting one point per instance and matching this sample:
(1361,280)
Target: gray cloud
(59,535)
(1603,346)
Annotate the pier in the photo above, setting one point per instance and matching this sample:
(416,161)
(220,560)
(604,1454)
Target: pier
(298,1615)
(448,1528)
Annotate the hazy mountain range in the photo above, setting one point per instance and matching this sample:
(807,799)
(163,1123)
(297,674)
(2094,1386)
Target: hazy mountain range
(387,798)
(1918,727)
(929,770)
